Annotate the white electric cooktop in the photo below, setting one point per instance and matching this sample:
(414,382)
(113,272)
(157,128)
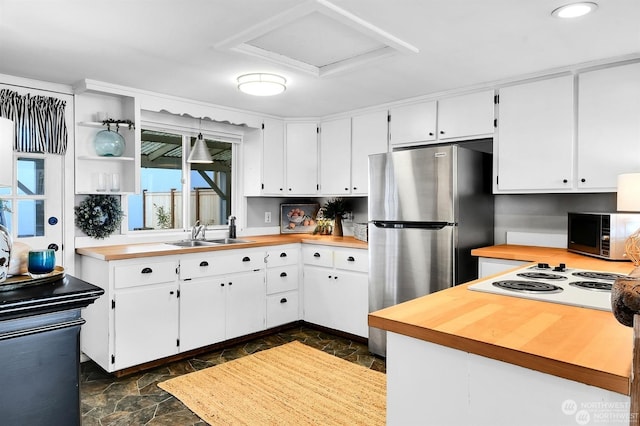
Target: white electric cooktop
(554,284)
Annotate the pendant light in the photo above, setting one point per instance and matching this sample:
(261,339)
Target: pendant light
(200,153)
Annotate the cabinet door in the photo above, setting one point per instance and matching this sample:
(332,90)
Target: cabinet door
(302,158)
(202,313)
(413,123)
(534,149)
(466,116)
(369,133)
(252,160)
(351,302)
(273,157)
(246,303)
(608,126)
(319,297)
(335,157)
(146,324)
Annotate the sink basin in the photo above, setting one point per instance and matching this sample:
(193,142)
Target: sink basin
(192,243)
(227,241)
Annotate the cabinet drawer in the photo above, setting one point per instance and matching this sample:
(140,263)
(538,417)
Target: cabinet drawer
(198,266)
(282,279)
(356,260)
(318,256)
(282,308)
(144,274)
(283,256)
(240,261)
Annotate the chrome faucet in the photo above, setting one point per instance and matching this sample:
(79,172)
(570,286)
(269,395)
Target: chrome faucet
(197,230)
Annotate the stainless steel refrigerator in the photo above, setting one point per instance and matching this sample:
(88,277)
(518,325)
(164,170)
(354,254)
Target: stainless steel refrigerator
(428,207)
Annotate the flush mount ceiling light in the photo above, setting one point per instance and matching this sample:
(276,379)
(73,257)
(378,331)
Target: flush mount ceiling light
(200,153)
(262,84)
(574,10)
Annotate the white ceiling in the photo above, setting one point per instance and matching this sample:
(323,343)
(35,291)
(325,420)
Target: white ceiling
(177,47)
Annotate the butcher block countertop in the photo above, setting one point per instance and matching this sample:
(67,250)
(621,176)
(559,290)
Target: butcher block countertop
(584,345)
(132,251)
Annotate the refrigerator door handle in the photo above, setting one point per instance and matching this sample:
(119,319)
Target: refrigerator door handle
(386,224)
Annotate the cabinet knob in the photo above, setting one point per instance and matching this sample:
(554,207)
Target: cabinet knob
(329,276)
(221,284)
(283,254)
(346,189)
(442,132)
(53,246)
(283,300)
(204,263)
(146,271)
(583,180)
(335,277)
(316,254)
(283,274)
(355,188)
(289,189)
(230,283)
(351,259)
(246,259)
(280,189)
(564,181)
(430,133)
(171,292)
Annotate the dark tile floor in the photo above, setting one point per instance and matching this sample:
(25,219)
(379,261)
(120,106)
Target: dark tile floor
(136,400)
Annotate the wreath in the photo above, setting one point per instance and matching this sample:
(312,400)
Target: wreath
(99,216)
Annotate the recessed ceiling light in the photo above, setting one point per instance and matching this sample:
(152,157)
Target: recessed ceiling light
(574,10)
(262,84)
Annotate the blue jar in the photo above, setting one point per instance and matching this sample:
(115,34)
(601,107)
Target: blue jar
(41,262)
(109,143)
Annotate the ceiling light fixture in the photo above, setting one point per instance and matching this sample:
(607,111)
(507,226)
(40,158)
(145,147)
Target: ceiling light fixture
(200,153)
(574,10)
(262,84)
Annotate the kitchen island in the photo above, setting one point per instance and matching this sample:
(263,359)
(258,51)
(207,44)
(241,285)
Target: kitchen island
(461,357)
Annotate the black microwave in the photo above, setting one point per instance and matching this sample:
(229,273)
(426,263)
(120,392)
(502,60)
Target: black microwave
(601,235)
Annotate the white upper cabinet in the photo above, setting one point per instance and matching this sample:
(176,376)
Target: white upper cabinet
(534,148)
(608,126)
(466,116)
(413,123)
(369,134)
(273,157)
(301,158)
(335,157)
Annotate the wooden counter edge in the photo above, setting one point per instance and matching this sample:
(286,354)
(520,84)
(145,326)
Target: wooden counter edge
(612,382)
(141,250)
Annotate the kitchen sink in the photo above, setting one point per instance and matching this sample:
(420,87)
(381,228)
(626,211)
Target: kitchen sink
(192,243)
(228,241)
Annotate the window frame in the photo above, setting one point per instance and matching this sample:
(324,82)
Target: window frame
(187,130)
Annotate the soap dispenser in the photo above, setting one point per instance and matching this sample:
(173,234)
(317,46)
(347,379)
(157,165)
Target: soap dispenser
(232,227)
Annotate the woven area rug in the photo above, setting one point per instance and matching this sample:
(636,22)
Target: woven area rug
(285,385)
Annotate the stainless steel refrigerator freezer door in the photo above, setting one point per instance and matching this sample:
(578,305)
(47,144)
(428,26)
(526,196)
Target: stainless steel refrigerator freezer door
(405,263)
(413,186)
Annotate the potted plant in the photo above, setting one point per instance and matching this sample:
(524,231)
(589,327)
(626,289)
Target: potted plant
(335,209)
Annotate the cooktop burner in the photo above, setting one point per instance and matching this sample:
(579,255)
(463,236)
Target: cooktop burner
(527,286)
(592,285)
(541,276)
(595,275)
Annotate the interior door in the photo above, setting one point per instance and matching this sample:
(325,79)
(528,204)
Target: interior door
(32,209)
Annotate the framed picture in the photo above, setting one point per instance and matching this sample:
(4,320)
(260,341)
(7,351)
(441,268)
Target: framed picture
(298,218)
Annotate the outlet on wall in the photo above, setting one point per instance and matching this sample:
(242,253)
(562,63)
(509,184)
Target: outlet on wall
(267,217)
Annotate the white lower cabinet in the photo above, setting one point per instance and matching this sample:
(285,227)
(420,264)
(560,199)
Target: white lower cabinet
(336,288)
(283,297)
(222,296)
(145,324)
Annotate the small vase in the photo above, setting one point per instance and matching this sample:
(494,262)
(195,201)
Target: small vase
(109,143)
(5,252)
(337,226)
